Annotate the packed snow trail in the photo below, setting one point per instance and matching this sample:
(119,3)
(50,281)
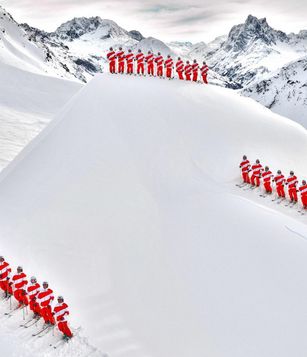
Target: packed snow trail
(127,204)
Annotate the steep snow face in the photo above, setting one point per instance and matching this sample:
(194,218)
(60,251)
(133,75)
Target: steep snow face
(285,91)
(129,209)
(28,102)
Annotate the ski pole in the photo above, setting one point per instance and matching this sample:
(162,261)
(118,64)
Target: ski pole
(10,302)
(23,312)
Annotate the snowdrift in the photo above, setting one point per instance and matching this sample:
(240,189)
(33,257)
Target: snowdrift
(126,204)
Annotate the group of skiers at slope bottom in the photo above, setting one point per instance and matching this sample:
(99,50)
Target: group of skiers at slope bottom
(121,62)
(39,299)
(252,174)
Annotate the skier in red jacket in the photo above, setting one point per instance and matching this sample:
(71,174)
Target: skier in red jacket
(60,312)
(292,182)
(303,191)
(45,298)
(195,68)
(19,282)
(169,66)
(149,59)
(188,71)
(256,173)
(112,60)
(140,62)
(129,60)
(33,290)
(120,55)
(204,72)
(280,182)
(267,177)
(245,167)
(159,61)
(180,68)
(5,271)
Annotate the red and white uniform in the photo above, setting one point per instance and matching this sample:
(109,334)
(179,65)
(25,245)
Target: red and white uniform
(256,174)
(140,63)
(112,61)
(180,68)
(195,68)
(120,55)
(159,61)
(4,276)
(19,282)
(188,71)
(33,290)
(204,73)
(244,166)
(267,176)
(129,60)
(150,64)
(280,182)
(169,67)
(303,192)
(60,312)
(45,298)
(292,182)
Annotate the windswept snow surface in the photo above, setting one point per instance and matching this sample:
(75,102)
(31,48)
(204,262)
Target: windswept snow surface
(127,204)
(28,102)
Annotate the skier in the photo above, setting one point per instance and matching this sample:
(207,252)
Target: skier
(33,290)
(204,72)
(256,173)
(149,59)
(280,182)
(19,283)
(112,60)
(245,166)
(180,68)
(159,61)
(195,68)
(5,271)
(292,182)
(267,176)
(45,298)
(140,62)
(169,66)
(303,192)
(120,55)
(59,312)
(129,60)
(188,71)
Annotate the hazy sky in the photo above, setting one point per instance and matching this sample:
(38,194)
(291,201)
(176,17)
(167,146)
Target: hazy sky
(188,20)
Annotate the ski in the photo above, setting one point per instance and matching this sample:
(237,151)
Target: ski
(41,331)
(250,188)
(30,323)
(241,184)
(60,342)
(11,313)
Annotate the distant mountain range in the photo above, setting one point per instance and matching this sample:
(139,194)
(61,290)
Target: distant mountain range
(255,59)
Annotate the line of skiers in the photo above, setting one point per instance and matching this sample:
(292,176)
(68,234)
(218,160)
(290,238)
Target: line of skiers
(38,298)
(253,174)
(121,62)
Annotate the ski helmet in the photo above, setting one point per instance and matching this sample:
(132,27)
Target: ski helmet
(244,157)
(267,168)
(60,298)
(195,61)
(179,58)
(120,48)
(33,279)
(304,182)
(159,53)
(139,50)
(168,56)
(149,52)
(291,173)
(19,268)
(111,48)
(204,62)
(257,161)
(279,172)
(45,283)
(188,61)
(129,50)
(1,258)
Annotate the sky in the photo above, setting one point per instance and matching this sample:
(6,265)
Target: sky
(168,20)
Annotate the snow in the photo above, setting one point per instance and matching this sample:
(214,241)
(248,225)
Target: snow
(126,204)
(28,102)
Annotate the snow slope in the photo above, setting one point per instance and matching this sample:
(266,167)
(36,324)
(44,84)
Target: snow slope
(129,209)
(28,102)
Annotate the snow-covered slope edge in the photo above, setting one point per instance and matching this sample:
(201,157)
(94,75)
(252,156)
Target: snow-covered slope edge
(134,219)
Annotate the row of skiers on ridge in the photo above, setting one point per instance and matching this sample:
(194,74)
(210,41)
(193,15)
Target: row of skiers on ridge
(121,62)
(252,174)
(39,299)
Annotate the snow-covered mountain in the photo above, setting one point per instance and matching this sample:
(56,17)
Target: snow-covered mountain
(284,91)
(136,220)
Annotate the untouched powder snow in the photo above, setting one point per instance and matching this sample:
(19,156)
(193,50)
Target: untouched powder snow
(126,204)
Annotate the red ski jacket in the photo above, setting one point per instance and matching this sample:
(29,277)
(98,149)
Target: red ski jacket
(4,270)
(60,311)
